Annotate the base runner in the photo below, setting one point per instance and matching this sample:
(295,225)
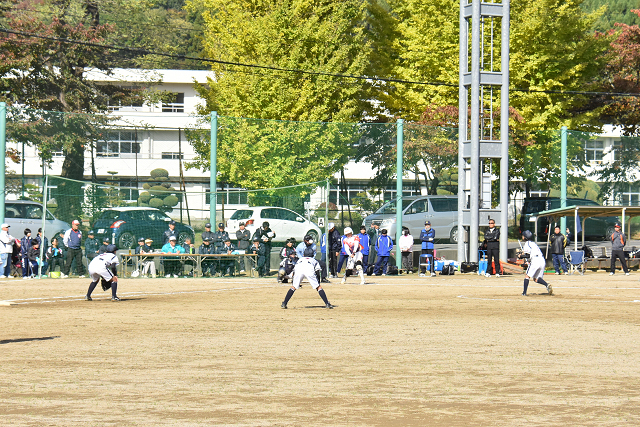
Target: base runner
(536,263)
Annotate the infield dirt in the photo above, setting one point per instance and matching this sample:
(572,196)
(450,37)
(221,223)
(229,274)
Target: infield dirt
(399,351)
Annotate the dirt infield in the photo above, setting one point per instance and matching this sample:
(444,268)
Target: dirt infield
(401,351)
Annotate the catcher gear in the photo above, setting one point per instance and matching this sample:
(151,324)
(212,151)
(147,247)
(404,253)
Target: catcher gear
(528,235)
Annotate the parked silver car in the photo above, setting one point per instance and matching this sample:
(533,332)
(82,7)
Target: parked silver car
(442,211)
(21,214)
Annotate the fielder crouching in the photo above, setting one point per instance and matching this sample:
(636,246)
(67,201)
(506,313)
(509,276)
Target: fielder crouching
(104,267)
(307,268)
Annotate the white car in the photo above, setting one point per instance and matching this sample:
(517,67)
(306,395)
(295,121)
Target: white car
(283,222)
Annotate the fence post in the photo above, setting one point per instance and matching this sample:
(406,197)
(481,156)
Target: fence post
(44,223)
(400,141)
(213,167)
(563,182)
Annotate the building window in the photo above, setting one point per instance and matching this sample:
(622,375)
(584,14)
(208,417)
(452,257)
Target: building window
(632,196)
(128,190)
(174,103)
(172,155)
(228,196)
(594,151)
(118,143)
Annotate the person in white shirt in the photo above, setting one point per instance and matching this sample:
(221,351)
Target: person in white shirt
(405,243)
(309,269)
(536,263)
(104,267)
(6,249)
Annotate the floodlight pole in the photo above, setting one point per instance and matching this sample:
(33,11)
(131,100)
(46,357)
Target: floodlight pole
(3,151)
(399,142)
(563,182)
(213,167)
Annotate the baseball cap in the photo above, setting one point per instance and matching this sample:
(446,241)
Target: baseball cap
(172,223)
(206,239)
(172,238)
(105,239)
(207,225)
(427,223)
(91,232)
(5,225)
(618,225)
(111,248)
(221,225)
(141,239)
(255,239)
(75,221)
(330,225)
(148,240)
(228,239)
(241,223)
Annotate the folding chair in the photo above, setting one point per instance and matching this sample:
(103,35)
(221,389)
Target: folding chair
(577,261)
(425,261)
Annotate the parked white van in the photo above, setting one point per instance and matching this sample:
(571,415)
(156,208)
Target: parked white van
(21,214)
(442,211)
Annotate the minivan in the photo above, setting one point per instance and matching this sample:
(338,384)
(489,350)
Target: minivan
(21,214)
(596,227)
(442,211)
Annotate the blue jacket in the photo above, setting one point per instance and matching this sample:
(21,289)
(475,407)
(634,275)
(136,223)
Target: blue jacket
(427,238)
(177,249)
(384,245)
(323,244)
(364,241)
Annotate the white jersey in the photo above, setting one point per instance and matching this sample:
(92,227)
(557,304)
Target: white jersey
(537,261)
(306,268)
(98,266)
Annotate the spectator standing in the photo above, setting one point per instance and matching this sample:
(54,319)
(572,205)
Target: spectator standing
(618,240)
(207,233)
(558,243)
(169,233)
(244,242)
(6,250)
(266,235)
(384,246)
(25,245)
(334,246)
(427,237)
(40,238)
(91,246)
(406,249)
(374,233)
(73,241)
(492,237)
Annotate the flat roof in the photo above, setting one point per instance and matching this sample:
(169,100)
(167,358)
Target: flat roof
(591,211)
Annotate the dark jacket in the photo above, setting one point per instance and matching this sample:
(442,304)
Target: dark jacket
(492,236)
(558,243)
(263,236)
(167,234)
(206,249)
(260,250)
(218,238)
(91,246)
(334,242)
(244,239)
(224,250)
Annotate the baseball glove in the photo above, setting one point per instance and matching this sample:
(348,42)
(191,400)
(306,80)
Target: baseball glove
(105,285)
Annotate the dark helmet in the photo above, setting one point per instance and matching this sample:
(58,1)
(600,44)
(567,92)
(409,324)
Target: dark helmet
(308,239)
(265,224)
(255,239)
(111,248)
(527,234)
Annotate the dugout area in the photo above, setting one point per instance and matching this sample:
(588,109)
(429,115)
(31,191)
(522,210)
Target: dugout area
(461,350)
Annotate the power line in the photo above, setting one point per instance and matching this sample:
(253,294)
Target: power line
(141,51)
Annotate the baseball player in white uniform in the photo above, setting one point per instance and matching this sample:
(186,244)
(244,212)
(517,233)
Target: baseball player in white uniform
(307,268)
(104,267)
(536,263)
(352,248)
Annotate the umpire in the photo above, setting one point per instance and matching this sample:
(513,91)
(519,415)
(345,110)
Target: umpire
(492,237)
(73,241)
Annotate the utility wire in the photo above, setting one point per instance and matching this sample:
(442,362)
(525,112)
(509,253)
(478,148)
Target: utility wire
(141,51)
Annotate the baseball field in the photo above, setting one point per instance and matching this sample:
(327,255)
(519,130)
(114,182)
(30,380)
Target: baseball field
(399,351)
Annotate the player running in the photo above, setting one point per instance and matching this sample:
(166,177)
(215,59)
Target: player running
(536,263)
(104,267)
(309,269)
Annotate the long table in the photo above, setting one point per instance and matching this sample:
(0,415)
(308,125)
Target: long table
(136,260)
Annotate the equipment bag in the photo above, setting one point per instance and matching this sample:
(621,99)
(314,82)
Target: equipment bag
(468,267)
(448,270)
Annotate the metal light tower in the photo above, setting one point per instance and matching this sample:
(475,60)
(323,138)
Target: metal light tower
(483,133)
